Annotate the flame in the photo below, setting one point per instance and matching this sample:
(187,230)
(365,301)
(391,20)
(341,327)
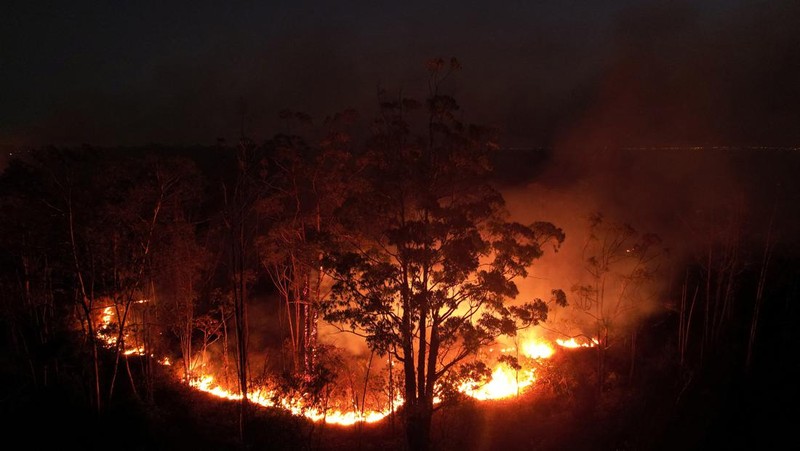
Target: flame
(138,350)
(261,396)
(537,349)
(571,343)
(505,383)
(107,316)
(267,398)
(107,319)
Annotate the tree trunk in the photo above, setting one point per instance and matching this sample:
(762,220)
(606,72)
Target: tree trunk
(119,349)
(87,301)
(602,349)
(418,426)
(240,314)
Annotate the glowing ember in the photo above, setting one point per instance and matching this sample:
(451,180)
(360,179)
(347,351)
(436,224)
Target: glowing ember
(571,343)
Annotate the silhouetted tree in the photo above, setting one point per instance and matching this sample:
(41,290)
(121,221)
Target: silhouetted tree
(241,222)
(428,258)
(307,184)
(620,264)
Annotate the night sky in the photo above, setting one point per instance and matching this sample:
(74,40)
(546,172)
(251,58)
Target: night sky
(548,74)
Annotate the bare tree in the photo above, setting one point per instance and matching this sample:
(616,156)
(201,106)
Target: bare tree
(241,223)
(619,263)
(306,185)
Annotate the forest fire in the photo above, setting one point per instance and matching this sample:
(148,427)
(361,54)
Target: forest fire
(199,261)
(268,398)
(506,380)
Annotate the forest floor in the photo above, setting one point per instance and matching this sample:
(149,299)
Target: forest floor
(723,409)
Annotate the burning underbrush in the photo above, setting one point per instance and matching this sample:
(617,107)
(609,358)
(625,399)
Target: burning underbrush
(356,391)
(346,388)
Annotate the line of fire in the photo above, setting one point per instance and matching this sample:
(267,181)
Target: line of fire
(507,378)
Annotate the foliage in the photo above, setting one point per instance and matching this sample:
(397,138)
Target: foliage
(430,258)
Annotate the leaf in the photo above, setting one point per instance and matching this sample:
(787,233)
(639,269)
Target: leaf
(559,297)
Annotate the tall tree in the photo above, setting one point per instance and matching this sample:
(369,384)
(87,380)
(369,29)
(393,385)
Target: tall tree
(241,222)
(107,206)
(33,312)
(181,265)
(430,259)
(307,184)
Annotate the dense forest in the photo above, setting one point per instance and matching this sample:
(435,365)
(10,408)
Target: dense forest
(369,266)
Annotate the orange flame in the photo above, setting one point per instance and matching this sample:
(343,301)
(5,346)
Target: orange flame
(107,319)
(537,349)
(267,398)
(505,383)
(571,343)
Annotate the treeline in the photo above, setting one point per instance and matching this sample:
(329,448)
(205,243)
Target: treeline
(179,235)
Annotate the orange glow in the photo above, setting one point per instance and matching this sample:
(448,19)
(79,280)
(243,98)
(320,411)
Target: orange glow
(571,343)
(107,320)
(537,349)
(267,398)
(505,383)
(139,350)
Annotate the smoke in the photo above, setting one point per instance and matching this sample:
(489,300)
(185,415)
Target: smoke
(686,132)
(570,209)
(265,335)
(341,339)
(676,75)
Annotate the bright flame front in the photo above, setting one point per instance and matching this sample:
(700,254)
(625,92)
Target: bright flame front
(572,343)
(267,398)
(505,383)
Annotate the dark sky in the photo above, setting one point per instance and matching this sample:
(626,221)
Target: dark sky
(547,73)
